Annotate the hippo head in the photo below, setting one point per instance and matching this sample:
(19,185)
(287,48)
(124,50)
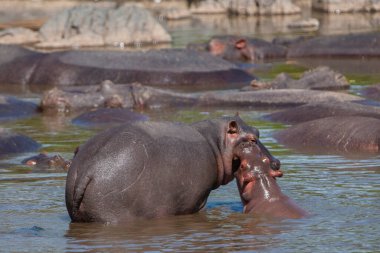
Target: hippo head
(231,48)
(254,166)
(226,140)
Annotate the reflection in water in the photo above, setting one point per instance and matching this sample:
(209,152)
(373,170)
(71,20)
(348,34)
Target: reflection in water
(204,231)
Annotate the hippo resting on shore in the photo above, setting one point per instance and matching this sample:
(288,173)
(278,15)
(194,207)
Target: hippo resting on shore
(137,95)
(154,169)
(259,191)
(167,68)
(347,135)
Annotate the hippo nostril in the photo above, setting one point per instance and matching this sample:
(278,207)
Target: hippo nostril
(275,164)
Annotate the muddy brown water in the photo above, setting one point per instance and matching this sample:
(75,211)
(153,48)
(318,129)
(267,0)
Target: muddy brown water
(343,194)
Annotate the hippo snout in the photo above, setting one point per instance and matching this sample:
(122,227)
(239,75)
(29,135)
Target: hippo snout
(275,164)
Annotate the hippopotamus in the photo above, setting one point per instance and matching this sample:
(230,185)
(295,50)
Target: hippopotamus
(136,95)
(154,169)
(259,191)
(11,143)
(106,117)
(314,111)
(13,108)
(346,135)
(163,68)
(372,92)
(351,45)
(44,162)
(239,48)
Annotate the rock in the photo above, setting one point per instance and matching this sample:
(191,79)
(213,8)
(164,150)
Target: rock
(266,7)
(87,25)
(314,111)
(11,143)
(106,117)
(131,24)
(339,6)
(165,68)
(12,108)
(333,135)
(371,91)
(310,24)
(18,35)
(320,78)
(352,45)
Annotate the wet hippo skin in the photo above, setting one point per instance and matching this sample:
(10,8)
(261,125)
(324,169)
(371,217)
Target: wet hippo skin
(165,68)
(44,162)
(11,143)
(106,117)
(240,48)
(314,111)
(154,169)
(259,191)
(334,135)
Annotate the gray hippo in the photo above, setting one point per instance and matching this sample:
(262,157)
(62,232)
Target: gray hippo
(12,108)
(259,191)
(44,162)
(239,48)
(351,45)
(326,109)
(346,135)
(164,68)
(372,92)
(11,143)
(136,96)
(106,117)
(154,169)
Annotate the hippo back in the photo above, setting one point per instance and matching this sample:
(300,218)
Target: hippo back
(147,169)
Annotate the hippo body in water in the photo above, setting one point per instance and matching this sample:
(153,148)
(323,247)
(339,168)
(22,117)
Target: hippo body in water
(345,135)
(163,68)
(154,169)
(259,191)
(44,162)
(239,48)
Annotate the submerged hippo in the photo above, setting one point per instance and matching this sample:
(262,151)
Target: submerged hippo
(346,135)
(12,143)
(154,169)
(44,162)
(259,191)
(238,48)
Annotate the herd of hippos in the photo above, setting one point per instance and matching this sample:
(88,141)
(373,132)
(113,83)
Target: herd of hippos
(145,169)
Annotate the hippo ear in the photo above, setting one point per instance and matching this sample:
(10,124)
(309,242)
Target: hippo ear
(233,127)
(241,44)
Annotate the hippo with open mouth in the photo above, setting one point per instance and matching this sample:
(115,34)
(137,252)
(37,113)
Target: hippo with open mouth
(155,169)
(259,191)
